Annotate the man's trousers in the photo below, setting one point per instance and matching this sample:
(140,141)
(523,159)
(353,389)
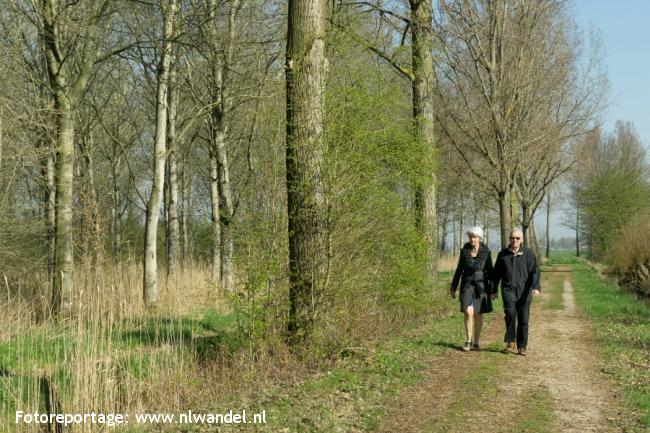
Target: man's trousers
(517,311)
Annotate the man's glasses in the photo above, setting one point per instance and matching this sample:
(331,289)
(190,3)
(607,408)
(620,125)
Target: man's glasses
(515,238)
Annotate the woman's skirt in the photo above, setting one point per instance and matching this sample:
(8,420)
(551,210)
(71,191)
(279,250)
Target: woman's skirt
(481,302)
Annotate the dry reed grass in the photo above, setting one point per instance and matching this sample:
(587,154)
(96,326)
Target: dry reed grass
(115,356)
(107,355)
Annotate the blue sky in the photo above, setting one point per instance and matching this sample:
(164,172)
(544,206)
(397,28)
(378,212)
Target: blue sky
(624,30)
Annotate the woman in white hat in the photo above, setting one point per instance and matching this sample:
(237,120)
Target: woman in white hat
(474,272)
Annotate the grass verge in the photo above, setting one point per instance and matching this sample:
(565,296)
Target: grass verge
(622,329)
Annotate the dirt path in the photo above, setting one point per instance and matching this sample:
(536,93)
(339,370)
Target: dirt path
(559,386)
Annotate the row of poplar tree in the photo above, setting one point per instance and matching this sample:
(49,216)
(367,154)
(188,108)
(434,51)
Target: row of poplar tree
(309,144)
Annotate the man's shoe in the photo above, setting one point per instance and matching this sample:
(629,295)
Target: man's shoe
(510,347)
(468,346)
(522,351)
(476,347)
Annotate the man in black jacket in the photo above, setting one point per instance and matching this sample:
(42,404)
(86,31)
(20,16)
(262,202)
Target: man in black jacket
(516,268)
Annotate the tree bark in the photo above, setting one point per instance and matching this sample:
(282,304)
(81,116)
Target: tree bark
(150,274)
(306,70)
(215,203)
(504,217)
(445,224)
(94,246)
(185,216)
(116,226)
(548,225)
(1,137)
(68,86)
(577,232)
(220,64)
(423,114)
(63,255)
(525,223)
(532,234)
(49,199)
(453,231)
(461,231)
(173,229)
(227,213)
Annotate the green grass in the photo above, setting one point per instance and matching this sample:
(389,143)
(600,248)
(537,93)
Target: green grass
(563,258)
(553,285)
(622,329)
(475,390)
(354,395)
(536,415)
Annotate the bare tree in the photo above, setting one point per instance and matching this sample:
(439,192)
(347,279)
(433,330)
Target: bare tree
(220,53)
(71,51)
(504,68)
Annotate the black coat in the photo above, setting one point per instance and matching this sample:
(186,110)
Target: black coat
(474,272)
(517,272)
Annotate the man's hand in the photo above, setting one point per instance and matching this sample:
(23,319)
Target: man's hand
(452,293)
(535,292)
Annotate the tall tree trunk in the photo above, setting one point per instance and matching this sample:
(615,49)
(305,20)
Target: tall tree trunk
(306,70)
(188,219)
(486,229)
(220,67)
(49,199)
(150,274)
(186,216)
(577,232)
(227,213)
(67,87)
(525,223)
(1,137)
(443,239)
(454,233)
(515,218)
(94,247)
(504,217)
(64,166)
(532,234)
(548,224)
(423,114)
(116,227)
(528,228)
(215,202)
(172,238)
(461,231)
(182,220)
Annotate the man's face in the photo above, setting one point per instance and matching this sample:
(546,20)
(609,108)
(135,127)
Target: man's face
(515,240)
(474,240)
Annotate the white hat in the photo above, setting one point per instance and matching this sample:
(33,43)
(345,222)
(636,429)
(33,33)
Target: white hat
(476,230)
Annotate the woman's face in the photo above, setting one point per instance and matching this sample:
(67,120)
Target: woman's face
(474,240)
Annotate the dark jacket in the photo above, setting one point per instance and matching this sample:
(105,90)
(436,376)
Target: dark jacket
(474,271)
(518,272)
